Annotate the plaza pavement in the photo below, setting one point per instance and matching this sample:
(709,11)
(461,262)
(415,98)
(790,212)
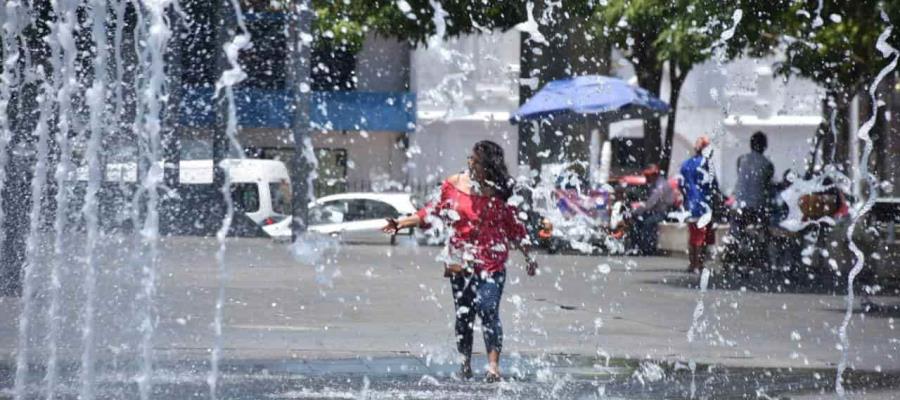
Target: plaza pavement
(369,302)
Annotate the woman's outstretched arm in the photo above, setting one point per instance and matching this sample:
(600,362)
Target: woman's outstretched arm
(395,224)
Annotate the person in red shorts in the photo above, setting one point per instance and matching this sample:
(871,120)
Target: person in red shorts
(698,186)
(484,227)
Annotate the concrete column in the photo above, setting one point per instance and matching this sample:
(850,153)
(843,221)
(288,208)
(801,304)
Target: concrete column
(299,83)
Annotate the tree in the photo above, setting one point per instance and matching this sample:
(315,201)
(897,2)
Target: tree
(682,34)
(835,47)
(411,20)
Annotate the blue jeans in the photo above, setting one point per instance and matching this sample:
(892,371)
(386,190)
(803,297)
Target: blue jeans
(646,231)
(478,294)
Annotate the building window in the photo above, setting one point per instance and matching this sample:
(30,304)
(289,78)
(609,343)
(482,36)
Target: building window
(332,171)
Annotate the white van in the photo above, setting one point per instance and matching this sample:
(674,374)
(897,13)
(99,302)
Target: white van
(260,188)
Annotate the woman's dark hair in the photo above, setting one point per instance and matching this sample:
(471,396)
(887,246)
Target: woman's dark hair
(490,156)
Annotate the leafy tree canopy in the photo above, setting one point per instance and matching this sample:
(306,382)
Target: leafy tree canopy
(347,21)
(651,32)
(835,45)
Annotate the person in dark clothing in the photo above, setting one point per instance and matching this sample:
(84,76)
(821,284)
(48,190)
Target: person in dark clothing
(646,218)
(754,181)
(753,193)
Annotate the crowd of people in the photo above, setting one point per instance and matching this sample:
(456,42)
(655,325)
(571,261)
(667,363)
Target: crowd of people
(754,212)
(703,203)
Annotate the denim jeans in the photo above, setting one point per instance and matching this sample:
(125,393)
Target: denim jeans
(478,294)
(646,231)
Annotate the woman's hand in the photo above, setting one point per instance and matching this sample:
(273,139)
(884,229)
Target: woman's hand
(531,267)
(392,227)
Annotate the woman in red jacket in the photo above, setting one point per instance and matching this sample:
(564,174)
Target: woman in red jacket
(484,226)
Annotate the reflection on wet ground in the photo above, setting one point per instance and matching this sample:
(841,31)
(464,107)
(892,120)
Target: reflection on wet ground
(404,377)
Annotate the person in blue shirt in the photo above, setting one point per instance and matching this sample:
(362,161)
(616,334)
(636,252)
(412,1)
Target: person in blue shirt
(698,186)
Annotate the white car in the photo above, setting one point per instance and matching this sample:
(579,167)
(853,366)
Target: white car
(352,217)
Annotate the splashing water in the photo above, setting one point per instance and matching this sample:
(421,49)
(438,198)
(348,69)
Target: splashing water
(817,21)
(440,30)
(698,323)
(864,206)
(9,80)
(794,221)
(229,78)
(531,27)
(96,97)
(64,44)
(158,34)
(32,244)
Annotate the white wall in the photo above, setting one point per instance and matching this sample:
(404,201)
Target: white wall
(466,89)
(444,146)
(372,158)
(383,65)
(787,112)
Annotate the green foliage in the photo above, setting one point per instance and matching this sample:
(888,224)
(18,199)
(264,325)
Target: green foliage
(334,29)
(836,47)
(651,32)
(348,20)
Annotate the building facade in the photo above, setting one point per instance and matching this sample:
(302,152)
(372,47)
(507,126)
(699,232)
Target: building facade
(361,109)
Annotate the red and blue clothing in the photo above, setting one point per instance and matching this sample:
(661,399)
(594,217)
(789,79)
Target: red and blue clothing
(697,185)
(483,226)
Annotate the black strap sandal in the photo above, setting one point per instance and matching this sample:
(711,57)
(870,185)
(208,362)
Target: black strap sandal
(465,372)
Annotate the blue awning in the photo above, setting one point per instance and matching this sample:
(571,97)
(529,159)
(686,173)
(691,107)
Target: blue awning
(338,111)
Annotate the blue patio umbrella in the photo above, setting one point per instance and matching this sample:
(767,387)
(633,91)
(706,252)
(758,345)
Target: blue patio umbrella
(609,98)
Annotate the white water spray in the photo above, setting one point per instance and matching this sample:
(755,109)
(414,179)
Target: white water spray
(96,99)
(9,81)
(863,207)
(62,49)
(33,243)
(158,34)
(531,26)
(229,78)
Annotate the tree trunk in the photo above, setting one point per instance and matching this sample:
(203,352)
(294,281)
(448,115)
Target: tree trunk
(568,54)
(527,148)
(836,142)
(890,145)
(649,76)
(676,81)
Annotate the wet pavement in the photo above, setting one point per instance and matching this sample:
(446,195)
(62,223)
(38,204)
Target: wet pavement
(548,377)
(376,322)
